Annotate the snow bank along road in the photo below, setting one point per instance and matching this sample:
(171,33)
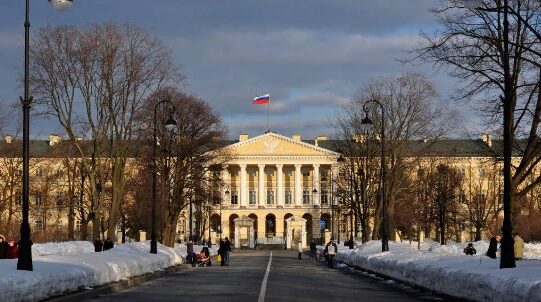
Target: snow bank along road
(258,276)
(60,268)
(446,270)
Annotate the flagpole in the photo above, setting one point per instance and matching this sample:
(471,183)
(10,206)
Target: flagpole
(268,116)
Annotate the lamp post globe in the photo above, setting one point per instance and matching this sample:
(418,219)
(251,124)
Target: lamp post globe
(170,124)
(367,126)
(61,5)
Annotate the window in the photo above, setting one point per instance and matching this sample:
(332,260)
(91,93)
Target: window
(288,173)
(39,225)
(252,197)
(306,173)
(233,174)
(19,173)
(287,196)
(234,197)
(270,173)
(324,175)
(39,172)
(270,197)
(252,173)
(78,225)
(324,197)
(305,196)
(481,172)
(39,199)
(59,199)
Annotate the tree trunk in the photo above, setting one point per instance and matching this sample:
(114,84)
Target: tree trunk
(84,229)
(71,219)
(442,226)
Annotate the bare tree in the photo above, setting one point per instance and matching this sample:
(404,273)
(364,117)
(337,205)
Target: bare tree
(445,183)
(185,157)
(499,67)
(412,111)
(94,80)
(481,196)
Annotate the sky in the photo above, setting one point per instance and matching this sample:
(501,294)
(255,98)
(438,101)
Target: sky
(312,56)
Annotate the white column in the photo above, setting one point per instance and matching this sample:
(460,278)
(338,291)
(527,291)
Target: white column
(243,186)
(317,186)
(279,186)
(226,178)
(298,186)
(261,185)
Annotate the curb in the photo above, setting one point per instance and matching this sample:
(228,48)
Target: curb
(84,294)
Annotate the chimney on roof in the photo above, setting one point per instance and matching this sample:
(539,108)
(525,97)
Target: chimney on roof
(296,137)
(487,139)
(8,139)
(243,137)
(319,138)
(54,139)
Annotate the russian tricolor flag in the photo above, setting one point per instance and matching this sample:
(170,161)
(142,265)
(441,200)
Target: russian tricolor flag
(264,99)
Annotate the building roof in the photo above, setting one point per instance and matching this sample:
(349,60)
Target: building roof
(428,148)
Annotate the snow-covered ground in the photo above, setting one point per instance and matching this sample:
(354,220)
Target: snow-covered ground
(445,269)
(70,266)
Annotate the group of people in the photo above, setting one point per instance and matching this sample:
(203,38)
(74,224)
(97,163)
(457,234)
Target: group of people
(518,247)
(8,249)
(100,246)
(224,250)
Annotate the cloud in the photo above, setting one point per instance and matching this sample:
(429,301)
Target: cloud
(295,46)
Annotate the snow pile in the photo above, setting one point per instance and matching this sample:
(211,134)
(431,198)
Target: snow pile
(56,274)
(446,271)
(62,248)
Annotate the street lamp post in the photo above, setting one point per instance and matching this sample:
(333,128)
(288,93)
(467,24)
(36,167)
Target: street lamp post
(170,125)
(367,125)
(24,261)
(209,243)
(226,196)
(507,251)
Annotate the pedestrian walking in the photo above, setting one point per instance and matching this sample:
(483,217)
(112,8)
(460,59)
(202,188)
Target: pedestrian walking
(13,250)
(299,247)
(518,246)
(492,247)
(98,245)
(189,252)
(470,250)
(3,247)
(222,252)
(313,250)
(108,244)
(227,250)
(330,251)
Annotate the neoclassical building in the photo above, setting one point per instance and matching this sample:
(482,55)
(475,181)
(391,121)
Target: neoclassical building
(278,181)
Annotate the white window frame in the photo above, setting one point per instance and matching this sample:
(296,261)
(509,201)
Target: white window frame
(234,198)
(252,197)
(288,197)
(306,196)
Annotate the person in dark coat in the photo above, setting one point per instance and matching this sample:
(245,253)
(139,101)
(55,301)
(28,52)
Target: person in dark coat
(13,250)
(98,245)
(3,247)
(470,250)
(227,246)
(222,251)
(189,250)
(108,244)
(492,247)
(331,249)
(313,250)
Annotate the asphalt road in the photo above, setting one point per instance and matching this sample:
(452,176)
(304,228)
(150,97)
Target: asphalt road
(287,279)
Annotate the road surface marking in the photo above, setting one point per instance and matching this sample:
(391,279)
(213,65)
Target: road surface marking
(264,283)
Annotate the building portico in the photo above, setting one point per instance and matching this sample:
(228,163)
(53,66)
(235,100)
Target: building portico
(271,178)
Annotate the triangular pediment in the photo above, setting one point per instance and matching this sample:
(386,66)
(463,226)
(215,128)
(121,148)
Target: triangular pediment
(272,144)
